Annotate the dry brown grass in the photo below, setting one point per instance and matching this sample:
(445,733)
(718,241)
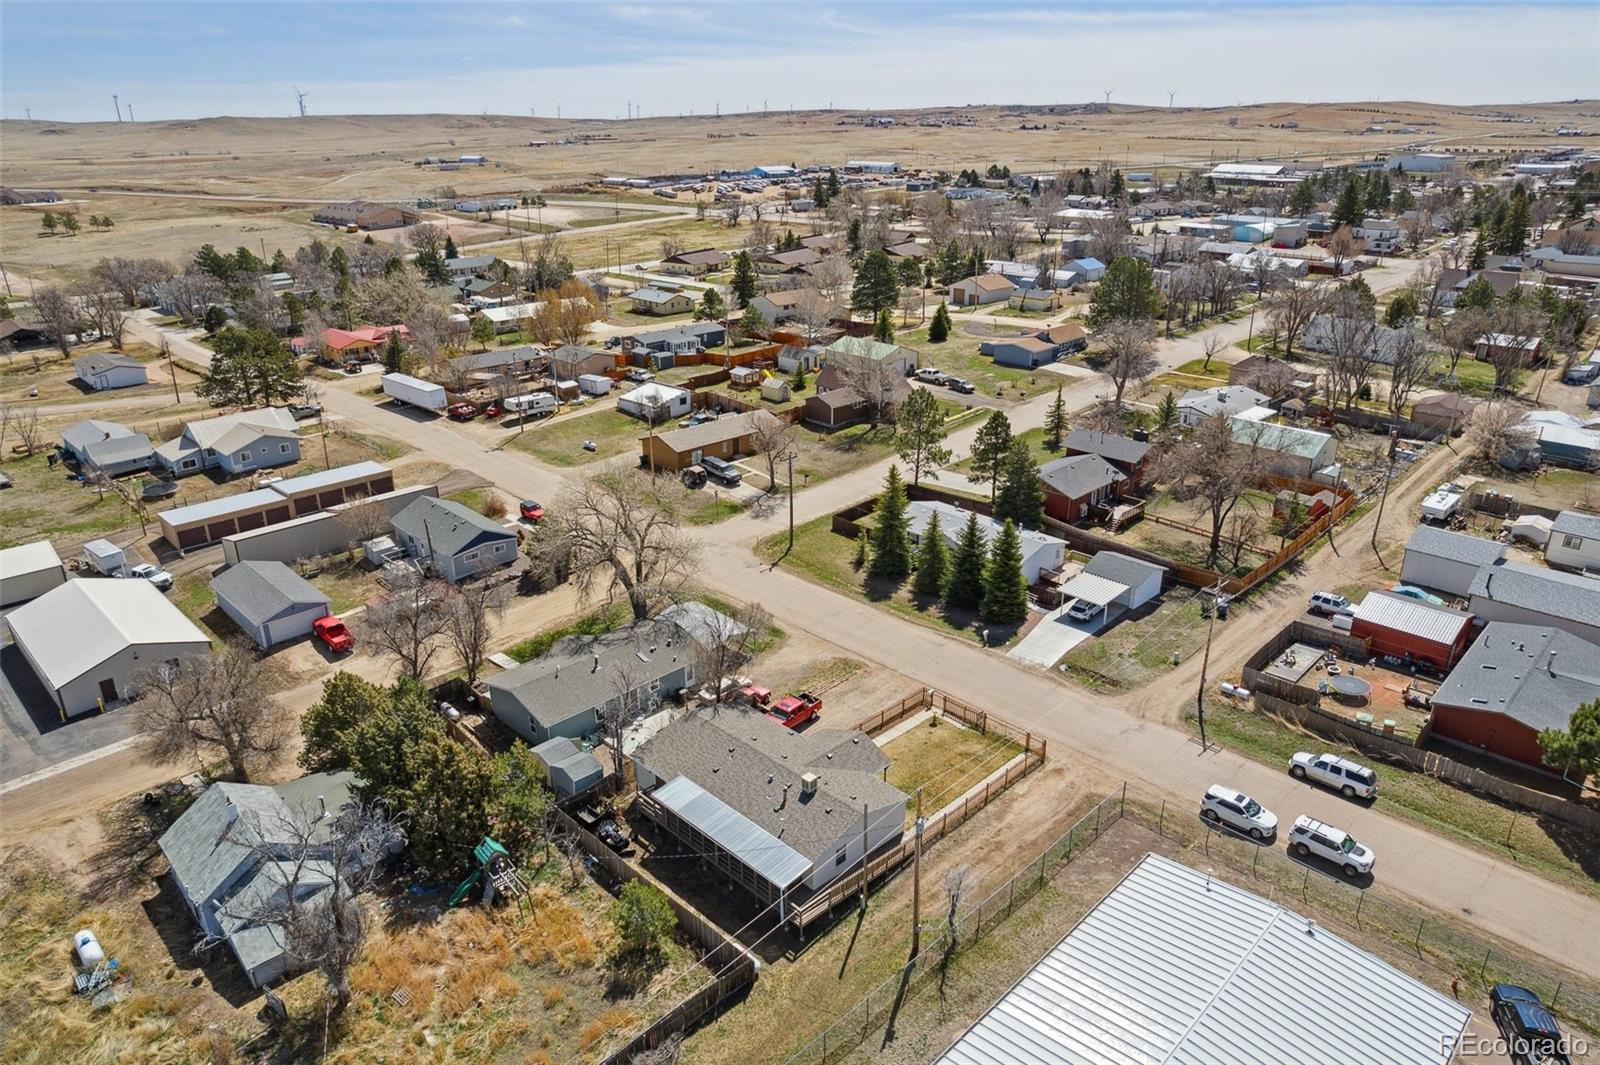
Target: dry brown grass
(555,934)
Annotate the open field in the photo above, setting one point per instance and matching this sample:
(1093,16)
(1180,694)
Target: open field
(52,374)
(44,503)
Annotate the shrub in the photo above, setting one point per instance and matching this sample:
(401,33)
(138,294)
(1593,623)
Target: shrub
(494,507)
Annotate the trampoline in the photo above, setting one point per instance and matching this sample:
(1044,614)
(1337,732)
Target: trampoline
(1349,689)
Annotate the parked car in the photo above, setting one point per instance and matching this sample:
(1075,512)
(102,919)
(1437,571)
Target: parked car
(1350,779)
(301,411)
(795,710)
(931,375)
(693,476)
(1532,1034)
(962,385)
(531,510)
(640,374)
(154,574)
(725,473)
(493,410)
(462,412)
(1083,610)
(1312,837)
(699,417)
(1330,603)
(331,633)
(1238,811)
(1411,591)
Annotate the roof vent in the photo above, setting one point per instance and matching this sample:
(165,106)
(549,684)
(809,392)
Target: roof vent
(1311,927)
(233,811)
(596,667)
(808,784)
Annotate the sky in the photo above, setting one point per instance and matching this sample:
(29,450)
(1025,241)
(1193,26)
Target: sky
(63,61)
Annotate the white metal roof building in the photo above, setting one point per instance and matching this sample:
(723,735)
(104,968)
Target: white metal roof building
(88,639)
(27,571)
(1176,966)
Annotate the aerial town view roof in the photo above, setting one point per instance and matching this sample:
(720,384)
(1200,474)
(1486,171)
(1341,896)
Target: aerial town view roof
(638,534)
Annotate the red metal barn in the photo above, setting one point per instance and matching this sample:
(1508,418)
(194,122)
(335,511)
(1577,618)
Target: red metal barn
(1404,627)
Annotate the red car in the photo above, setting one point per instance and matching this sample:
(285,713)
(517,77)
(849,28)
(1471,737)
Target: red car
(331,631)
(492,410)
(530,510)
(462,412)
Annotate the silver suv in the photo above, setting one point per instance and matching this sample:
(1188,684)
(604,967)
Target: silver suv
(1310,836)
(1351,779)
(1238,811)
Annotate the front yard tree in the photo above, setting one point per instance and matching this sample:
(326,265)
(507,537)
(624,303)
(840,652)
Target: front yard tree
(933,560)
(919,435)
(1021,496)
(891,536)
(883,328)
(989,450)
(1005,589)
(939,328)
(1055,422)
(59,316)
(1130,355)
(1126,292)
(409,625)
(963,588)
(711,307)
(773,438)
(876,286)
(909,271)
(216,704)
(482,331)
(249,366)
(471,612)
(393,353)
(621,532)
(743,285)
(1214,470)
(1575,750)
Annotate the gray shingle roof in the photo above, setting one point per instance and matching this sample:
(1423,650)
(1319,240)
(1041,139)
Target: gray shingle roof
(754,765)
(118,449)
(1533,673)
(1107,445)
(1544,591)
(1458,547)
(447,526)
(1079,475)
(1124,569)
(91,429)
(96,364)
(564,683)
(205,848)
(1577,523)
(262,591)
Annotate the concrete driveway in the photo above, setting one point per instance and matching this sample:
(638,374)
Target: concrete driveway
(1055,635)
(32,735)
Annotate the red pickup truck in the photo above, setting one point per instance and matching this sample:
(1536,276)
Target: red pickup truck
(331,631)
(795,710)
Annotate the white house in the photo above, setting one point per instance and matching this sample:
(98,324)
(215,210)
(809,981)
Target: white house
(269,601)
(655,401)
(100,372)
(27,571)
(1574,541)
(1039,552)
(89,639)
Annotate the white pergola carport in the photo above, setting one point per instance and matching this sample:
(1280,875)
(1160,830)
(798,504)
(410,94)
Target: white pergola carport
(1097,590)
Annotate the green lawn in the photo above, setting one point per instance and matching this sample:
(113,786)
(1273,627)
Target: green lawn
(1473,378)
(944,760)
(1546,846)
(959,355)
(559,440)
(42,502)
(1034,438)
(599,622)
(1133,652)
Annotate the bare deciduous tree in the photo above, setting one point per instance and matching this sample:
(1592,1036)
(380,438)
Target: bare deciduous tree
(472,612)
(1497,430)
(427,237)
(621,532)
(1130,354)
(1409,366)
(206,704)
(1291,308)
(1214,470)
(59,316)
(1110,238)
(876,381)
(1342,244)
(105,309)
(409,624)
(130,277)
(1461,334)
(26,423)
(727,641)
(774,440)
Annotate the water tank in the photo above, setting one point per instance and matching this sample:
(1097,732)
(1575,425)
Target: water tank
(90,953)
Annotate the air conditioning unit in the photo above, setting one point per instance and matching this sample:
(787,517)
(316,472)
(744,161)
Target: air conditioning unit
(808,784)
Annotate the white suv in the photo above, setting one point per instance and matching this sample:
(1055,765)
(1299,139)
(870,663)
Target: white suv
(1350,779)
(1310,836)
(1225,806)
(1330,603)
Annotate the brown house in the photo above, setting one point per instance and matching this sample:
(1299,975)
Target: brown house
(1130,456)
(1077,483)
(1448,411)
(1273,378)
(726,438)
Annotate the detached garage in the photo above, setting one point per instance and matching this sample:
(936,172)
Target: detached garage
(1141,580)
(1409,628)
(269,601)
(27,571)
(1447,561)
(1096,591)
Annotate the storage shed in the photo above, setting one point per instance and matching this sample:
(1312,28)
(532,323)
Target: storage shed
(1141,579)
(569,768)
(27,571)
(1410,628)
(269,601)
(1446,561)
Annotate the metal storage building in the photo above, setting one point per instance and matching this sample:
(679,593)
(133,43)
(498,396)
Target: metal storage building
(1446,561)
(27,571)
(569,768)
(1175,965)
(269,601)
(1410,628)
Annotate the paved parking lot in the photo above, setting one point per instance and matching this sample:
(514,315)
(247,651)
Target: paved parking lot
(32,735)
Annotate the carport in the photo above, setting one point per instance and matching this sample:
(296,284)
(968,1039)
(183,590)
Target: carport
(1095,590)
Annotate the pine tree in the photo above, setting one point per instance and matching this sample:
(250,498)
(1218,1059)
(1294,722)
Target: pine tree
(1127,291)
(1479,256)
(1005,589)
(909,271)
(450,247)
(891,539)
(939,327)
(797,382)
(1055,422)
(1514,236)
(1347,212)
(711,308)
(833,183)
(863,549)
(1021,496)
(933,559)
(744,279)
(1303,200)
(950,263)
(883,328)
(876,286)
(963,587)
(1167,414)
(393,353)
(989,450)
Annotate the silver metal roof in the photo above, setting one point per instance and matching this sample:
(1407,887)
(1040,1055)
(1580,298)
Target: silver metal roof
(226,505)
(324,478)
(1175,966)
(766,856)
(1097,590)
(1404,614)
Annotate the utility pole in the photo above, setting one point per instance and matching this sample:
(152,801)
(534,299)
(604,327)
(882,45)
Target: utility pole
(172,367)
(322,430)
(863,858)
(916,883)
(1205,664)
(1388,475)
(791,505)
(118,106)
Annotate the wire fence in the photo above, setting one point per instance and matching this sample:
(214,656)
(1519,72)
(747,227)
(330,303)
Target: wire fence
(974,920)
